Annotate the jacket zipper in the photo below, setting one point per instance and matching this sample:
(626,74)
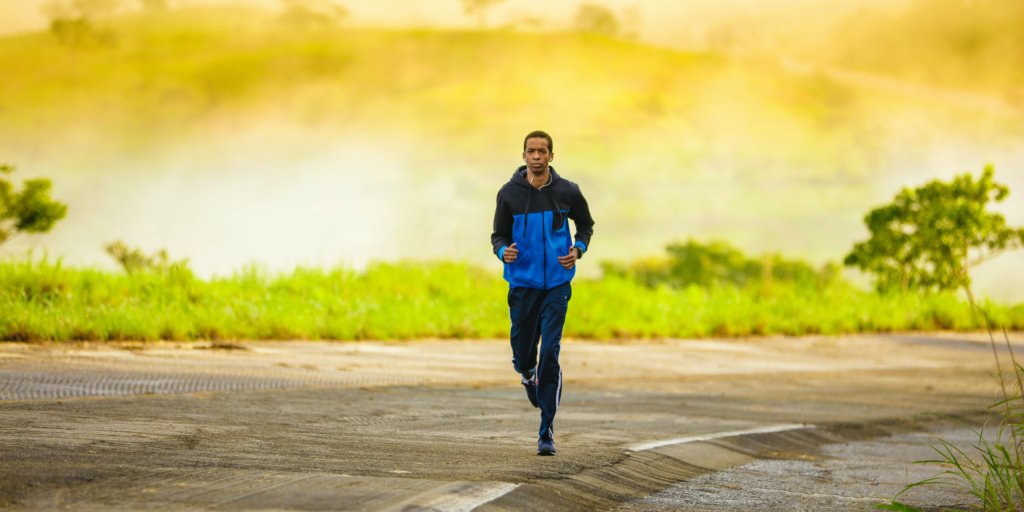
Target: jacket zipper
(544,235)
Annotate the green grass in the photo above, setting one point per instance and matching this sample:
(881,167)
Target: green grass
(45,300)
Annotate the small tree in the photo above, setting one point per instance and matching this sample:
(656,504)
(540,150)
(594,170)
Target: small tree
(597,19)
(134,260)
(479,9)
(932,237)
(28,211)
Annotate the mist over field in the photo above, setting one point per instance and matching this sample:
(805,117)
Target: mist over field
(673,22)
(231,138)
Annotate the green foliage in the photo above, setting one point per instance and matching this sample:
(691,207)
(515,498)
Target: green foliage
(932,236)
(996,479)
(43,300)
(718,264)
(596,19)
(28,211)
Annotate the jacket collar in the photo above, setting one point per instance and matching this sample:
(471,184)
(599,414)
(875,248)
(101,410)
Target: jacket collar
(520,177)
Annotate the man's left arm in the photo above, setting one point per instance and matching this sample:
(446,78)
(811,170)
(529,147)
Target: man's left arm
(579,212)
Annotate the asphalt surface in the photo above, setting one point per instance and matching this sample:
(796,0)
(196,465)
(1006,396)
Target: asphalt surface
(850,476)
(444,425)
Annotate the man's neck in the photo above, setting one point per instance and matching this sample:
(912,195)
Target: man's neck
(538,180)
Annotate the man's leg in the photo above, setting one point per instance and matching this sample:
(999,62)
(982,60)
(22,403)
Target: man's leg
(524,305)
(549,372)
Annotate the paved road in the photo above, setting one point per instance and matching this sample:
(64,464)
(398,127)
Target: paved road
(851,476)
(443,425)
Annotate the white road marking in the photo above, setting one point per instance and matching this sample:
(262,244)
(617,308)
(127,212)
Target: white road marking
(457,497)
(717,435)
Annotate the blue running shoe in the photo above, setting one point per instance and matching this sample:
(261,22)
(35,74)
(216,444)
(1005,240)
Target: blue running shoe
(531,389)
(545,447)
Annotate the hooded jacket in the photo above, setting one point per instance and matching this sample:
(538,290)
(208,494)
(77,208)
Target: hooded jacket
(537,222)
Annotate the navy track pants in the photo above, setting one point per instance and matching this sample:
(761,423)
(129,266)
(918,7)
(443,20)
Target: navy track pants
(539,315)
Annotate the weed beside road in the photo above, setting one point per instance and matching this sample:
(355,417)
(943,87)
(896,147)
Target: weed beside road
(44,300)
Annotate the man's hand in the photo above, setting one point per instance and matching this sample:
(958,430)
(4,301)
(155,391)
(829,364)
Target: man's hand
(510,254)
(568,261)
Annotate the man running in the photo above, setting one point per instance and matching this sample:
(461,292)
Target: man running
(531,236)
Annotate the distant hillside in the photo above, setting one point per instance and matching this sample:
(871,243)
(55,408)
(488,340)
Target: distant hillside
(154,77)
(969,44)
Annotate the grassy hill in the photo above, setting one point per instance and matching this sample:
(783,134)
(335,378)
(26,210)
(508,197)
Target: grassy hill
(160,76)
(149,78)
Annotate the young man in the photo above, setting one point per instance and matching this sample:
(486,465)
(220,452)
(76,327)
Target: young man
(531,236)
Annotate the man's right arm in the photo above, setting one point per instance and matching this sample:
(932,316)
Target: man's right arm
(501,237)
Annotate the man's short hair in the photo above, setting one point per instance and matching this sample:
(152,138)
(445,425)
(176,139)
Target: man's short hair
(537,134)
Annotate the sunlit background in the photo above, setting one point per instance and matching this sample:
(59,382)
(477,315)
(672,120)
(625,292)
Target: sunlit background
(290,133)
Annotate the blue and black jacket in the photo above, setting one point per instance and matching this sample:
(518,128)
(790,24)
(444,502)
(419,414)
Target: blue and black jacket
(537,222)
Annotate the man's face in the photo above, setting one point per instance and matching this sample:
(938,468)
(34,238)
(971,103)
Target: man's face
(537,155)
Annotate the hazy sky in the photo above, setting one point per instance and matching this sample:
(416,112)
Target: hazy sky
(660,20)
